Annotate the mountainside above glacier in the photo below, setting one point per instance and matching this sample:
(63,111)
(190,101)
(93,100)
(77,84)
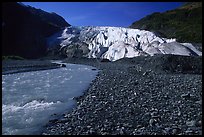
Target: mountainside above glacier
(184,23)
(114,43)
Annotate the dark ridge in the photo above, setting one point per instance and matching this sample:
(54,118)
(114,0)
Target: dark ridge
(24,30)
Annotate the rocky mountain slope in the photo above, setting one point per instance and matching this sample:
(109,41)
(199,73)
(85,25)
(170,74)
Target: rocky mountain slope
(183,23)
(24,29)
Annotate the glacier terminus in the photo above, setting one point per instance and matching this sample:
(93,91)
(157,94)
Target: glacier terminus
(114,43)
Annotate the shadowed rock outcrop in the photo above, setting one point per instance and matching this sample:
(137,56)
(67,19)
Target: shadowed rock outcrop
(24,29)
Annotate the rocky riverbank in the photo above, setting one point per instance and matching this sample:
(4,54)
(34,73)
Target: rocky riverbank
(16,66)
(160,95)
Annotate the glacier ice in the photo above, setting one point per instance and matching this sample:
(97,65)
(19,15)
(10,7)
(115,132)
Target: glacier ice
(114,43)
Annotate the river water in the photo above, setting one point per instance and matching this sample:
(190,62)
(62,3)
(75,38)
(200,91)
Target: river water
(31,99)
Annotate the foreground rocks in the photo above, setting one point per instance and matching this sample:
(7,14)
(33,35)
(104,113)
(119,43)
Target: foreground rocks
(139,96)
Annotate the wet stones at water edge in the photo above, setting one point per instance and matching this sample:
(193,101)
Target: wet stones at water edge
(62,65)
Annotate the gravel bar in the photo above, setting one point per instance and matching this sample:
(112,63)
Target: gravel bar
(160,95)
(17,66)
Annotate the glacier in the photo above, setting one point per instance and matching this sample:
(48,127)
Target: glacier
(114,43)
(31,99)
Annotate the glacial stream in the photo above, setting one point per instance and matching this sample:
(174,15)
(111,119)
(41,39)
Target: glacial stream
(31,99)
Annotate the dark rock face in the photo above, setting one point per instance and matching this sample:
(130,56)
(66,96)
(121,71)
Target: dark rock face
(105,60)
(183,23)
(24,30)
(77,50)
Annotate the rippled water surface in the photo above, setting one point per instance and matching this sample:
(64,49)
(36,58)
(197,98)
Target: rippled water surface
(31,99)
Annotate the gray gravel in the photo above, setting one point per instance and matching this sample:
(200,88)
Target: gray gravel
(140,96)
(17,66)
